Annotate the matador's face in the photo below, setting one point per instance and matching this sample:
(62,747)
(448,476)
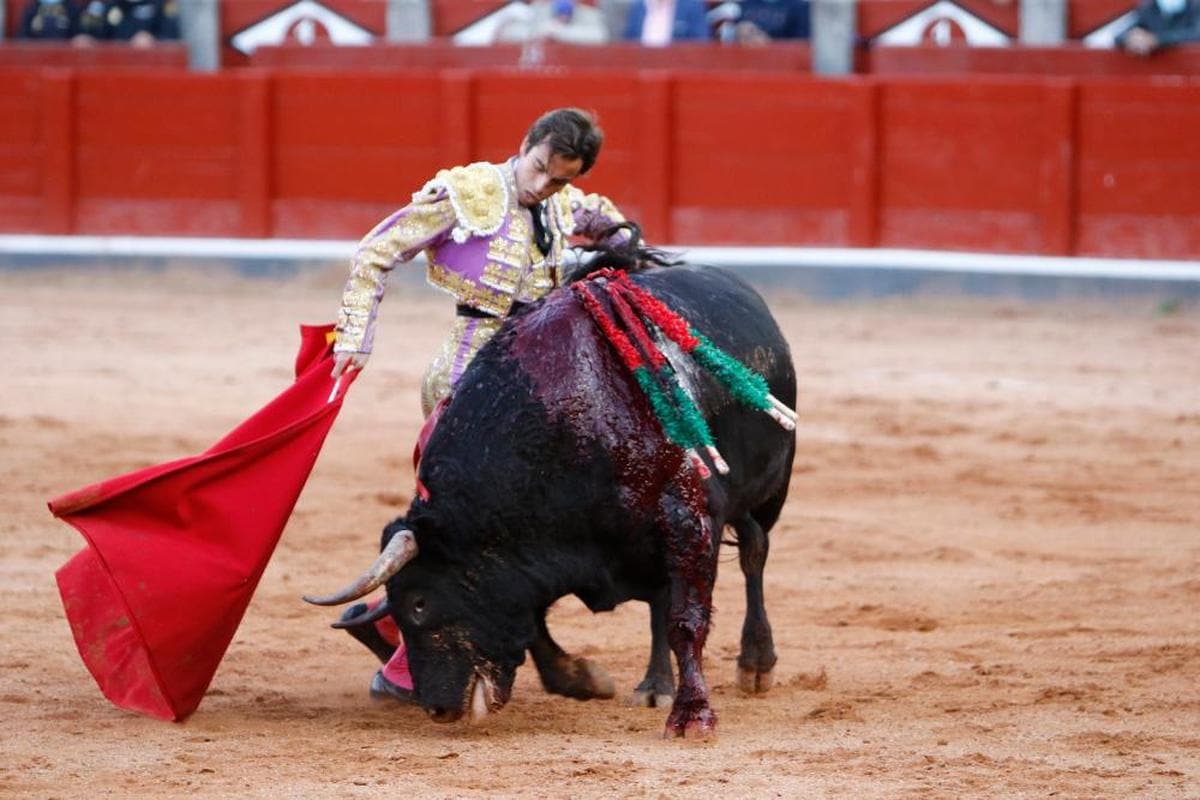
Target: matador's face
(541,173)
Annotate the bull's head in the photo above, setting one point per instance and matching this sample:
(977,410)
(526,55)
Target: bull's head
(464,640)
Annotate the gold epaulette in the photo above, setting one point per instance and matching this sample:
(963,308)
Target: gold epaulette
(478,194)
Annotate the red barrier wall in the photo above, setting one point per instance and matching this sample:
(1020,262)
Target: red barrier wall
(1137,166)
(773,159)
(1070,59)
(163,150)
(443,53)
(789,57)
(27,129)
(344,148)
(1053,166)
(969,165)
(99,55)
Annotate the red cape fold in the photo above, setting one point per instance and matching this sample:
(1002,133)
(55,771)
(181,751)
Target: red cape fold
(176,550)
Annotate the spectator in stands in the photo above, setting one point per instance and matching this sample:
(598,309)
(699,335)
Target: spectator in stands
(760,21)
(49,19)
(140,22)
(1161,23)
(660,22)
(566,21)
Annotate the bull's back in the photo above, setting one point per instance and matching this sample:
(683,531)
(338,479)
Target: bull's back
(733,315)
(549,428)
(730,313)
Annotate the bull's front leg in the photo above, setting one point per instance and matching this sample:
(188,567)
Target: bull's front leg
(692,545)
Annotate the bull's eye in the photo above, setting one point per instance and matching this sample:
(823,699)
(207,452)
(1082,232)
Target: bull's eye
(417,610)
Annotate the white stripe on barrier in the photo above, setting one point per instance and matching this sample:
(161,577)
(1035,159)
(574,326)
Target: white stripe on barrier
(941,261)
(781,257)
(171,247)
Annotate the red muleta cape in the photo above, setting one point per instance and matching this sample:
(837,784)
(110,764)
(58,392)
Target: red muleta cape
(175,551)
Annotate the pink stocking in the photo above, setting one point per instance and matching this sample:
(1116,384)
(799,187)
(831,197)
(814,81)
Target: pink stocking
(386,625)
(396,669)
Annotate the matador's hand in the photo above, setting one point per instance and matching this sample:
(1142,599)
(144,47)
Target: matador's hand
(343,362)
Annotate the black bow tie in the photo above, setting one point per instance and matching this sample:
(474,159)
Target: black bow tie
(541,236)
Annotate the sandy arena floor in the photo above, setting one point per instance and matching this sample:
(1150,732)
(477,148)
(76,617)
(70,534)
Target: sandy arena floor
(986,582)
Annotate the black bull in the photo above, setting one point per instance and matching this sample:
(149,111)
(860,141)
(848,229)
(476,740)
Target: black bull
(548,475)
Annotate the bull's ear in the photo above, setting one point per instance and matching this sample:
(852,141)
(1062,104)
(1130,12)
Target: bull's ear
(400,549)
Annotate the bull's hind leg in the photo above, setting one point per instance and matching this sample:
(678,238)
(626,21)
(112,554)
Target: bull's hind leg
(657,689)
(757,659)
(692,543)
(568,675)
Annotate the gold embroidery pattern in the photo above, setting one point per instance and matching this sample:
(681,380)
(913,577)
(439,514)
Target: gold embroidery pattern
(358,302)
(564,219)
(539,282)
(418,228)
(519,230)
(504,249)
(479,194)
(465,291)
(502,277)
(439,376)
(397,238)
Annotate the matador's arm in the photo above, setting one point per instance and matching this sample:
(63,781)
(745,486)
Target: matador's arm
(421,224)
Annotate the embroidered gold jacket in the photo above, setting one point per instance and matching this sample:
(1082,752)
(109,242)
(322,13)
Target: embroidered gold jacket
(478,241)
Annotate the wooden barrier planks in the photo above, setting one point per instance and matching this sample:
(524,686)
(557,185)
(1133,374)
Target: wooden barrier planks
(346,149)
(764,160)
(1021,165)
(1139,168)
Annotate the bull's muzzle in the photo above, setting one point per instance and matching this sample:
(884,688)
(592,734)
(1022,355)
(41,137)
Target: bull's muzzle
(480,701)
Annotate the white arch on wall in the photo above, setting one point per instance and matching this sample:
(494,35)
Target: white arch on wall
(978,32)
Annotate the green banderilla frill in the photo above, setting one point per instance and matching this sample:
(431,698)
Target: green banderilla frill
(746,385)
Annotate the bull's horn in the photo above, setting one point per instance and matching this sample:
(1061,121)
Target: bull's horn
(399,551)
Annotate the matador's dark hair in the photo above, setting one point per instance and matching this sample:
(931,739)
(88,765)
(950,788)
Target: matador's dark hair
(570,132)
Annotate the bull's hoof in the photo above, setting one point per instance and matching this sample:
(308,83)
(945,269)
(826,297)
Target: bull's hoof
(657,690)
(600,685)
(581,679)
(701,725)
(751,681)
(649,698)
